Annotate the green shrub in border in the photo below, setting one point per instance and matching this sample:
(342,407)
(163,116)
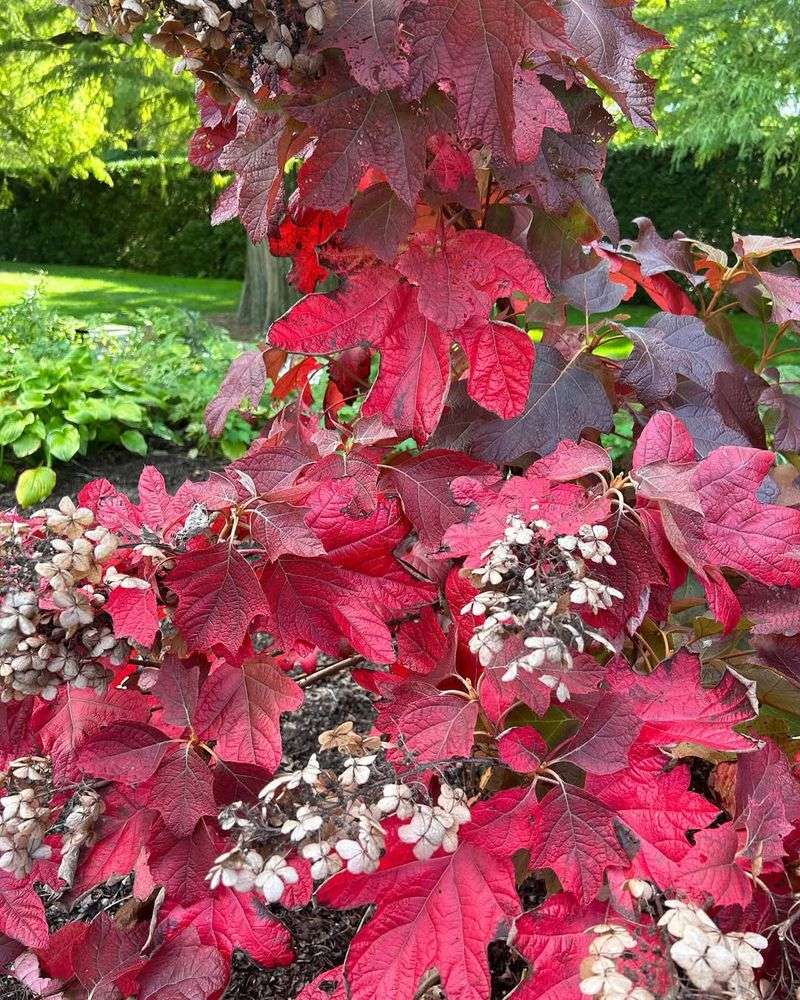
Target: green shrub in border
(155,217)
(70,387)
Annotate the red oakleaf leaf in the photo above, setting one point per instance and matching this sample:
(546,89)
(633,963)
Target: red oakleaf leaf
(476,45)
(240,707)
(602,743)
(432,725)
(56,960)
(609,41)
(183,969)
(281,530)
(298,236)
(522,749)
(771,609)
(246,380)
(423,484)
(664,439)
(501,358)
(368,32)
(228,920)
(257,154)
(639,578)
(26,971)
(784,290)
(655,803)
(271,468)
(105,953)
(738,531)
(767,802)
(22,912)
(379,220)
(574,834)
(312,604)
(786,406)
(77,714)
(182,790)
(668,346)
(351,539)
(535,109)
(572,461)
(16,733)
(134,613)
(374,308)
(181,864)
(423,647)
(439,913)
(564,400)
(465,275)
(328,985)
(177,687)
(666,293)
(710,869)
(218,597)
(555,937)
(675,707)
(356,130)
(121,834)
(129,752)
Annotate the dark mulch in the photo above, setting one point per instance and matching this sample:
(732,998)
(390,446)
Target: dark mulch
(320,937)
(123,469)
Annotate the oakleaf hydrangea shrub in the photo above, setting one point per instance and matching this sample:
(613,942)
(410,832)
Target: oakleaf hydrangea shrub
(585,676)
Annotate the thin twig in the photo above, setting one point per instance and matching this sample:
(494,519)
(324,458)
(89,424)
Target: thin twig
(332,668)
(431,979)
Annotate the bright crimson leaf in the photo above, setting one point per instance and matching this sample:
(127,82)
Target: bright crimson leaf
(240,707)
(218,597)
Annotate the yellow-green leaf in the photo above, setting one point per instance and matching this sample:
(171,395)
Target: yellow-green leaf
(35,485)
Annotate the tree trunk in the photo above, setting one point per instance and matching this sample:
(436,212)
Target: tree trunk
(266,293)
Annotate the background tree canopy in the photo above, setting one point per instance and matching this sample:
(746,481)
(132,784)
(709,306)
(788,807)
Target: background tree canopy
(729,81)
(71,102)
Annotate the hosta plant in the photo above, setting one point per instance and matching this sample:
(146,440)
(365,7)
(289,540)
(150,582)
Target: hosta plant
(69,389)
(584,677)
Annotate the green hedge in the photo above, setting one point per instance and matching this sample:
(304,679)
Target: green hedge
(155,218)
(706,204)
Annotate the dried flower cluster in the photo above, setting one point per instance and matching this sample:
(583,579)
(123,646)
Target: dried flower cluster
(535,584)
(80,820)
(26,814)
(603,978)
(720,965)
(333,820)
(229,44)
(52,627)
(707,961)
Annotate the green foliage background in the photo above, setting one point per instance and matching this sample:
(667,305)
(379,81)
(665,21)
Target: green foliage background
(69,103)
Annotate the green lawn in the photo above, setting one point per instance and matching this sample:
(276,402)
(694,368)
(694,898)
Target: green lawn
(81,291)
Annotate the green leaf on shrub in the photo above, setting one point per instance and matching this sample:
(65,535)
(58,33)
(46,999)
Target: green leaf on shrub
(7,473)
(134,442)
(32,399)
(26,444)
(12,427)
(128,412)
(233,449)
(64,442)
(88,410)
(35,485)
